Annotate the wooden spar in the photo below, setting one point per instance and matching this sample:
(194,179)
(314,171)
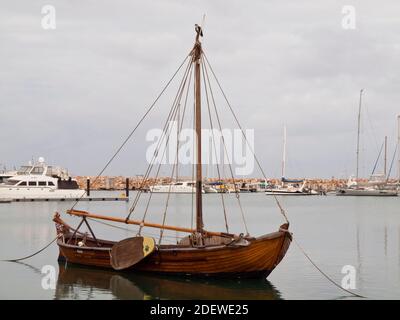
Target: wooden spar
(199,180)
(86,214)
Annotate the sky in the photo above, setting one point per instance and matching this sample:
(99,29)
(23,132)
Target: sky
(73,93)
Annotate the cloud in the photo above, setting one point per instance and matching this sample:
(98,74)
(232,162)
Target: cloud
(72,94)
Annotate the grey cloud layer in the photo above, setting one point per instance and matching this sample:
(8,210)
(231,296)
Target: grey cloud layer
(71,94)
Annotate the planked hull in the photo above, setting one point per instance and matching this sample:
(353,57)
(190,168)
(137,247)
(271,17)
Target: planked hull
(256,259)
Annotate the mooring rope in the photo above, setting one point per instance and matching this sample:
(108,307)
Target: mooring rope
(282,210)
(322,272)
(33,254)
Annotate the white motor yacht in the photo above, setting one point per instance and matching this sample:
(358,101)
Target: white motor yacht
(40,181)
(4,175)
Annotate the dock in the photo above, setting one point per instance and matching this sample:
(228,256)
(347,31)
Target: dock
(126,199)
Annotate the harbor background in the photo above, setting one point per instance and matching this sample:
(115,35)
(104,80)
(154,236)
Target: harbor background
(119,182)
(336,231)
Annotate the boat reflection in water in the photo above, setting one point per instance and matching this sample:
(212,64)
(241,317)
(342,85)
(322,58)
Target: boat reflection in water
(76,282)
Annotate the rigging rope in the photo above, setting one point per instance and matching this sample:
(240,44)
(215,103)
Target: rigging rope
(132,231)
(149,168)
(193,154)
(244,135)
(377,159)
(134,129)
(264,175)
(226,151)
(168,134)
(215,148)
(323,273)
(176,155)
(391,163)
(35,253)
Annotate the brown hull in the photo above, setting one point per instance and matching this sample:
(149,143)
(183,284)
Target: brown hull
(258,258)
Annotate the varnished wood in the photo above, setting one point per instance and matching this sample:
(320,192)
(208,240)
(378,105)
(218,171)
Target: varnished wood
(80,213)
(128,252)
(199,179)
(202,253)
(257,259)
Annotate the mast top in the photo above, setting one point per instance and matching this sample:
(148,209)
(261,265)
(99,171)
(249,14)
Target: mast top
(199,32)
(196,52)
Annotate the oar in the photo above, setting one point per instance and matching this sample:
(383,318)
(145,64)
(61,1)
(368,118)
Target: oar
(130,251)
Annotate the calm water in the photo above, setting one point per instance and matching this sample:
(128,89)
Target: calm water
(336,231)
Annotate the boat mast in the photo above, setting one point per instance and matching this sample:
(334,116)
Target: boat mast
(398,145)
(284,153)
(385,161)
(196,54)
(358,133)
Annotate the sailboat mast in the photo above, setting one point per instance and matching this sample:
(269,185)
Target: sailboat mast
(284,153)
(398,145)
(358,133)
(385,161)
(197,51)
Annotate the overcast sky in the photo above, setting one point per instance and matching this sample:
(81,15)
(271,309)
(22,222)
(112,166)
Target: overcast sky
(72,94)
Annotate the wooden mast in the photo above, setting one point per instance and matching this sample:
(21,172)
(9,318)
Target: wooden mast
(358,133)
(197,51)
(385,161)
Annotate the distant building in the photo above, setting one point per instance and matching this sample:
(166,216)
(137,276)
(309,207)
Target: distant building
(109,183)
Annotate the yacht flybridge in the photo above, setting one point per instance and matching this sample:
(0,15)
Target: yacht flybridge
(40,181)
(4,175)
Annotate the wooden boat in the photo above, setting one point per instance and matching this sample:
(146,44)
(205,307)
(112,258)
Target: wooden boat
(201,253)
(221,255)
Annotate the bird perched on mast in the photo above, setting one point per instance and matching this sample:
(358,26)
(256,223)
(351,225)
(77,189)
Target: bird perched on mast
(198,30)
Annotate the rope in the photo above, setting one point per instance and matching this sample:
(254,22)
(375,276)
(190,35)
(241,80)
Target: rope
(34,254)
(244,135)
(215,147)
(133,231)
(150,166)
(391,164)
(134,129)
(168,134)
(276,199)
(377,159)
(176,166)
(323,273)
(225,149)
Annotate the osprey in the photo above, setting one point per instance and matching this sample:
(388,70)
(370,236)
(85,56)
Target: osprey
(198,29)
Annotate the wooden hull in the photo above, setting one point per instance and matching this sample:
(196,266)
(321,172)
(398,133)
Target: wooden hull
(257,259)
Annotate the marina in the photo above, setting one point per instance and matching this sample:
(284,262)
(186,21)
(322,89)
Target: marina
(369,240)
(203,252)
(199,151)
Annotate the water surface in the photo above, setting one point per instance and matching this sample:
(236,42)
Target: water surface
(362,232)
